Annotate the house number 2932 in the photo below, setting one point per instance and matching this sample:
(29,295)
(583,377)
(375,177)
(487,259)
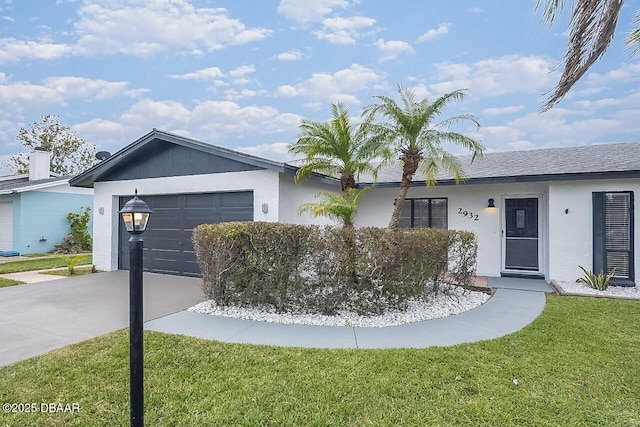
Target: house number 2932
(467,214)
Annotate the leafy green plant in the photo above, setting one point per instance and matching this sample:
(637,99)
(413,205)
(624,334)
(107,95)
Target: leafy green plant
(327,269)
(342,207)
(79,223)
(72,262)
(599,282)
(78,239)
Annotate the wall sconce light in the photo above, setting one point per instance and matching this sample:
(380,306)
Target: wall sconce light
(265,208)
(491,204)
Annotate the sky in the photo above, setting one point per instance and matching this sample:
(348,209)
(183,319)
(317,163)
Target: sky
(241,74)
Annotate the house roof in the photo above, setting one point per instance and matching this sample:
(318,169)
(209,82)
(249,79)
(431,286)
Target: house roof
(125,155)
(21,183)
(615,160)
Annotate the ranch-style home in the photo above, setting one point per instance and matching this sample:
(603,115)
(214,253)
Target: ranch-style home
(538,213)
(34,207)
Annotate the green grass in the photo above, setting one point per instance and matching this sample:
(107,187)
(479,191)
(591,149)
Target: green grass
(576,365)
(54,261)
(78,272)
(9,282)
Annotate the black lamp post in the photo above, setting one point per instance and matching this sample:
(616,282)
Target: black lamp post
(135,215)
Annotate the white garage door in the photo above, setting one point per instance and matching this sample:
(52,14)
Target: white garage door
(6,226)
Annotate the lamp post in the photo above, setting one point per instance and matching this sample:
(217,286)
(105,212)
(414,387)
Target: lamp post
(135,215)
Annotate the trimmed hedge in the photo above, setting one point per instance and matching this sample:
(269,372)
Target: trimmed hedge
(328,269)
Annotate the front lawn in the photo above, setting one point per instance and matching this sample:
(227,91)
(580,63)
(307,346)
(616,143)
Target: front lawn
(78,271)
(52,261)
(9,282)
(577,364)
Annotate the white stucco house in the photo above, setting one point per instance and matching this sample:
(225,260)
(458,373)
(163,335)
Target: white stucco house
(538,213)
(187,183)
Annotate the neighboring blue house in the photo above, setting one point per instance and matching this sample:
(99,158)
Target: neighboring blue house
(34,207)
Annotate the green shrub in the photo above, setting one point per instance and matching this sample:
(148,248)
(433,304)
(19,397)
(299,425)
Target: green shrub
(598,282)
(79,239)
(327,269)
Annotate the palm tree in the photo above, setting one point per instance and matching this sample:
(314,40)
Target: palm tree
(411,130)
(337,148)
(343,206)
(593,25)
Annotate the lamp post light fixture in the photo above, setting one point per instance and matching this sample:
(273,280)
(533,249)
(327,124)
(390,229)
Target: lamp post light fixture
(135,214)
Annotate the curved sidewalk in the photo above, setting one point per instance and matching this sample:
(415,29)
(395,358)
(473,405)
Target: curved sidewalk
(515,304)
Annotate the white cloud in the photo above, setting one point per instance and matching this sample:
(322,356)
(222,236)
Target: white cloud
(594,83)
(21,96)
(498,111)
(83,88)
(235,94)
(144,28)
(431,34)
(278,151)
(339,86)
(291,55)
(304,11)
(203,74)
(497,76)
(12,50)
(559,127)
(343,31)
(242,71)
(209,121)
(17,97)
(392,49)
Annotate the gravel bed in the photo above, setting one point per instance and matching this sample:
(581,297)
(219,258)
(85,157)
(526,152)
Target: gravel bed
(612,291)
(452,301)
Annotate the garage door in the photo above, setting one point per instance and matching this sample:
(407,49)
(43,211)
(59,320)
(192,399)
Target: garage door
(6,226)
(167,242)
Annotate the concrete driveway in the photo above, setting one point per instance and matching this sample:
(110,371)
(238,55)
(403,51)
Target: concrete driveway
(36,318)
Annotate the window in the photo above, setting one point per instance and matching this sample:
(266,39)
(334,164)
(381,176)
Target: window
(613,234)
(431,213)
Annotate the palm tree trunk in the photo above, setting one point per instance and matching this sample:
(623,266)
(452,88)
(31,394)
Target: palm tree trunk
(410,160)
(397,209)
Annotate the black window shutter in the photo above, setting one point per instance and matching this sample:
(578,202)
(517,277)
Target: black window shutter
(598,232)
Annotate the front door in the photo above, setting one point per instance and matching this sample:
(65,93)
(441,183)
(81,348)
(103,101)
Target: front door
(521,234)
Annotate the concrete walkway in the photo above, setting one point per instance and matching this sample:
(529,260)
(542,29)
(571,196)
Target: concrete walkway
(515,304)
(36,318)
(38,275)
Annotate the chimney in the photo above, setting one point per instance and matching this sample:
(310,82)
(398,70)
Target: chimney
(39,166)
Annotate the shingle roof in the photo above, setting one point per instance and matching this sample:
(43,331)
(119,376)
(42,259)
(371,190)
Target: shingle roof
(22,182)
(582,162)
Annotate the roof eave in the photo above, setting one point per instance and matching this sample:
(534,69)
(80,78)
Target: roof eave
(581,176)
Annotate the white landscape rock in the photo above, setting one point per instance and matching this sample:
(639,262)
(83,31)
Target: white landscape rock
(454,301)
(632,292)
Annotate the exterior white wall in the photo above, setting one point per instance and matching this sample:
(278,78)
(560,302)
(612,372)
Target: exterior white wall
(377,206)
(66,188)
(263,183)
(571,234)
(292,196)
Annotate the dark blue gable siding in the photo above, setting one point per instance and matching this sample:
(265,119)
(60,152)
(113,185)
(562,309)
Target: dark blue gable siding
(161,159)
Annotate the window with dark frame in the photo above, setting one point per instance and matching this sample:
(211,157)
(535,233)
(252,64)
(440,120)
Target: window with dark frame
(613,231)
(424,213)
